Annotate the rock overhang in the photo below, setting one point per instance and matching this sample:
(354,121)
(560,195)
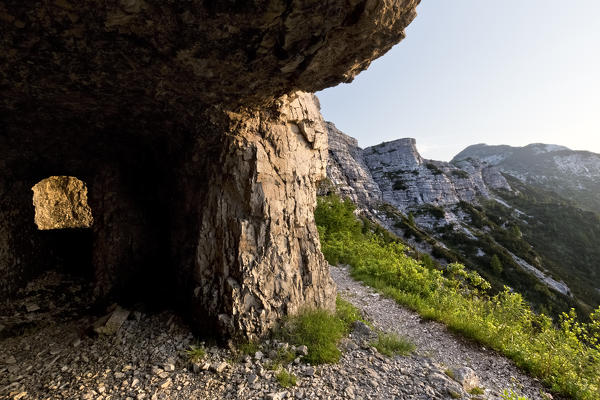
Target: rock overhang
(200,155)
(187,55)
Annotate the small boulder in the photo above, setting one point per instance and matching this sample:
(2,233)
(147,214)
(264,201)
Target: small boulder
(219,367)
(111,323)
(466,377)
(302,350)
(277,396)
(252,378)
(361,332)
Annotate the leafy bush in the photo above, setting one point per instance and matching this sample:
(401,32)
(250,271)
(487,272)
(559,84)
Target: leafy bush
(566,357)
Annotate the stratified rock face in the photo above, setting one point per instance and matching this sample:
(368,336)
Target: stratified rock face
(407,180)
(347,170)
(395,173)
(61,202)
(181,119)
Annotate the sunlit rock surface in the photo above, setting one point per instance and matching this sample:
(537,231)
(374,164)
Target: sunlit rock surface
(61,202)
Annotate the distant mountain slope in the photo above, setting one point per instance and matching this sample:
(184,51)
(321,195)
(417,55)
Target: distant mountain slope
(468,211)
(571,174)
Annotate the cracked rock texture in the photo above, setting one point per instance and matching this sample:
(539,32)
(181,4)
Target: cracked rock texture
(258,254)
(395,173)
(407,180)
(184,121)
(85,55)
(347,170)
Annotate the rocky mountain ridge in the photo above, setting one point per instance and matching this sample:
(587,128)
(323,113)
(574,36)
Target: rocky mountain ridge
(573,174)
(394,172)
(466,210)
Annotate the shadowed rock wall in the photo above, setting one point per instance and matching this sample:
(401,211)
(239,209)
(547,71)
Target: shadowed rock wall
(183,120)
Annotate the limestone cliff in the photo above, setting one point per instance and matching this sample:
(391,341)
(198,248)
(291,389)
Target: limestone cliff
(407,180)
(200,158)
(395,173)
(347,171)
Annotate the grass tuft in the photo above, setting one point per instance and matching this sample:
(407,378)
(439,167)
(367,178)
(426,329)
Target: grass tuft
(195,353)
(511,395)
(347,312)
(248,348)
(476,391)
(320,331)
(392,345)
(286,379)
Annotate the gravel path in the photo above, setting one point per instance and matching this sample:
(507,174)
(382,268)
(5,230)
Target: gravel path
(47,352)
(434,341)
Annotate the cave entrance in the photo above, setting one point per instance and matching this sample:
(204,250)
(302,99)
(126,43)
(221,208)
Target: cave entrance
(63,219)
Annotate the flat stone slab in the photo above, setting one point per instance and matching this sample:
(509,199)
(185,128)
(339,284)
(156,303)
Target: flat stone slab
(113,323)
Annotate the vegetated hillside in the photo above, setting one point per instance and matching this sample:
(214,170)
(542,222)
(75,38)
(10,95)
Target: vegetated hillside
(470,212)
(575,175)
(564,236)
(485,244)
(565,356)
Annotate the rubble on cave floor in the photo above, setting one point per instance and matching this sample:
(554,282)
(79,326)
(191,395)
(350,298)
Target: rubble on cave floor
(50,349)
(52,298)
(56,344)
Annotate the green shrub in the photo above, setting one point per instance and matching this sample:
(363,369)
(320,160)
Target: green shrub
(248,348)
(320,331)
(460,173)
(435,211)
(496,265)
(566,357)
(390,344)
(434,169)
(399,185)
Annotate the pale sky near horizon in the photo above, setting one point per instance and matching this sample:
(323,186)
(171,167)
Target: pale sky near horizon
(478,71)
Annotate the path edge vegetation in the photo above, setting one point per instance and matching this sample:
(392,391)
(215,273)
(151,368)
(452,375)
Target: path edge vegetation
(565,354)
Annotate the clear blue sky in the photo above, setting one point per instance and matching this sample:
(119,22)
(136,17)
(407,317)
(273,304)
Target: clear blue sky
(480,71)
